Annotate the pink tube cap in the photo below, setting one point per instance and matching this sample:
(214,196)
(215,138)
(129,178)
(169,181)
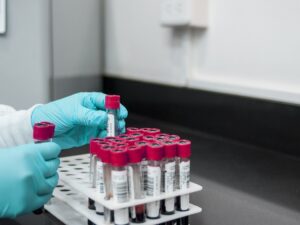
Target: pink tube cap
(184,149)
(43,131)
(112,101)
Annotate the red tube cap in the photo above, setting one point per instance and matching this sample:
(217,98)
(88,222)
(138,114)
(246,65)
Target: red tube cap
(131,140)
(143,145)
(93,144)
(155,151)
(150,131)
(124,136)
(119,157)
(170,149)
(184,149)
(148,138)
(173,137)
(135,154)
(138,135)
(130,130)
(112,101)
(43,131)
(105,153)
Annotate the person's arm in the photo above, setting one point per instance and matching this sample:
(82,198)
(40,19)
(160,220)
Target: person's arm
(15,126)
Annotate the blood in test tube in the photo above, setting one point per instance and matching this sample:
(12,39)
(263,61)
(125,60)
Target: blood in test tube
(42,132)
(169,163)
(119,175)
(136,182)
(138,135)
(130,130)
(154,175)
(184,154)
(143,145)
(112,105)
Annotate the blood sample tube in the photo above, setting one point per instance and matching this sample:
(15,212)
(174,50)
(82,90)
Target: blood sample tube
(93,167)
(42,132)
(184,153)
(170,150)
(105,156)
(119,161)
(143,145)
(130,130)
(112,105)
(136,182)
(154,157)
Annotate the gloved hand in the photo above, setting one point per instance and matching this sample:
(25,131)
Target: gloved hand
(77,118)
(28,175)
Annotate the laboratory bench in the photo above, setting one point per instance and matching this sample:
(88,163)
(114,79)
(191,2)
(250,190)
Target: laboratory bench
(243,184)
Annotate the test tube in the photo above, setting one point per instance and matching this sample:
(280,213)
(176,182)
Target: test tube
(136,182)
(93,167)
(184,154)
(42,132)
(131,141)
(119,161)
(105,155)
(170,150)
(143,145)
(112,105)
(154,157)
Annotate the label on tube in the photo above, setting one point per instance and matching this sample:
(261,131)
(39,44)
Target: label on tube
(184,175)
(119,185)
(153,180)
(100,177)
(111,126)
(169,177)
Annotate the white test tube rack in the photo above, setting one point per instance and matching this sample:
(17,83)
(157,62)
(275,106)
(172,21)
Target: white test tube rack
(71,196)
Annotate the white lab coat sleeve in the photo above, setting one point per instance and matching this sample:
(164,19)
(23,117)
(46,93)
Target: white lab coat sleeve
(15,126)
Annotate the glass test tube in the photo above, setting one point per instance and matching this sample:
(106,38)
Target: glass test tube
(112,105)
(105,155)
(154,157)
(184,154)
(136,182)
(170,150)
(42,132)
(119,178)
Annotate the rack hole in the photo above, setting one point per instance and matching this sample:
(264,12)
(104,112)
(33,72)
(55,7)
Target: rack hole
(70,174)
(72,164)
(78,159)
(65,190)
(78,168)
(64,171)
(59,185)
(65,161)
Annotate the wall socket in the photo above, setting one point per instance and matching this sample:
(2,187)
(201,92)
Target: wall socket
(2,16)
(184,13)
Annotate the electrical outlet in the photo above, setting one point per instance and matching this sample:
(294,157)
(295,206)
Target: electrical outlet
(2,16)
(184,13)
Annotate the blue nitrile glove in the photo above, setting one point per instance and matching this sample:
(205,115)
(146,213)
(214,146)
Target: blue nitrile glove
(28,175)
(77,118)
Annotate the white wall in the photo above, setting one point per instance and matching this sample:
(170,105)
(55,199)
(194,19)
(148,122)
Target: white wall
(25,54)
(77,38)
(251,48)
